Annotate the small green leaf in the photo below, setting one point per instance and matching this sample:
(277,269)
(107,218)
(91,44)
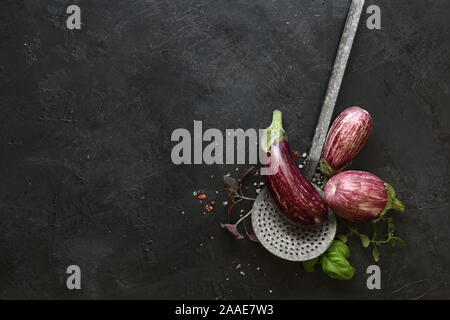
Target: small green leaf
(342,237)
(365,241)
(375,254)
(309,265)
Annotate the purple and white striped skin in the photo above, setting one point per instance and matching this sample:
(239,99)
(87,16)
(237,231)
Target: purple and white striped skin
(346,137)
(298,200)
(356,195)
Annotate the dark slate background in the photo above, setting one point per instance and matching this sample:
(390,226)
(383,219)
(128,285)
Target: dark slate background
(86,119)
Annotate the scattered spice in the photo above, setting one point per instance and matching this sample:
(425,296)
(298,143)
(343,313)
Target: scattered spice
(296,154)
(202,196)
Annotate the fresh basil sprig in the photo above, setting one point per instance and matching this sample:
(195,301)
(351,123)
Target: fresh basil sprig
(334,262)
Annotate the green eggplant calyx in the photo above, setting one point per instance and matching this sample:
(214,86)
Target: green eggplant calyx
(393,202)
(275,132)
(328,171)
(325,168)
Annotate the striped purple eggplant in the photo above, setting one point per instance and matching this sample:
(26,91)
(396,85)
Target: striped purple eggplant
(360,196)
(345,139)
(298,200)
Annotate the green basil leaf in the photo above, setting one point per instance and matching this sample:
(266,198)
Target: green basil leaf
(334,261)
(336,266)
(375,254)
(309,265)
(365,240)
(341,247)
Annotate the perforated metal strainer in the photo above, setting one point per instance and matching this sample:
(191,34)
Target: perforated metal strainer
(286,240)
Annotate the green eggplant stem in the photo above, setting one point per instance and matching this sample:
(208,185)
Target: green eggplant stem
(275,132)
(328,171)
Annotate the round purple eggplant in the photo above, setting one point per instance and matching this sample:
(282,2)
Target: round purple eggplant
(360,196)
(298,200)
(345,139)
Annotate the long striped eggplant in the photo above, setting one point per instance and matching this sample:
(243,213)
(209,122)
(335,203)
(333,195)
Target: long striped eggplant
(345,139)
(299,201)
(360,196)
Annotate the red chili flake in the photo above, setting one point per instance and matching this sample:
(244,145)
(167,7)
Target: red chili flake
(213,203)
(202,196)
(208,208)
(296,154)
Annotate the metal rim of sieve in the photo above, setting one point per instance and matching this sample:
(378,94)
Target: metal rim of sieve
(285,240)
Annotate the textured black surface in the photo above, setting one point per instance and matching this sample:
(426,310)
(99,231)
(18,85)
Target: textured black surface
(85,125)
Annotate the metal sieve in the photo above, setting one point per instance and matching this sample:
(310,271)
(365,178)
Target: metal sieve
(286,240)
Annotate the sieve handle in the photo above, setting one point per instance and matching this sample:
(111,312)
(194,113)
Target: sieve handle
(340,63)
